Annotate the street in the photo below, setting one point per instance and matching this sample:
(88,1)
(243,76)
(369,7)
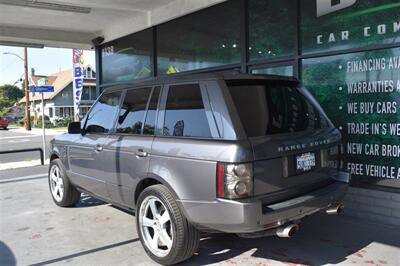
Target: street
(13,139)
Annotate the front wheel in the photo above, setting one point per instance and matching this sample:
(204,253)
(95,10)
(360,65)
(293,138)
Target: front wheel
(62,191)
(166,235)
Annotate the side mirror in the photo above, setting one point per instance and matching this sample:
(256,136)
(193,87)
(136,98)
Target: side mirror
(74,128)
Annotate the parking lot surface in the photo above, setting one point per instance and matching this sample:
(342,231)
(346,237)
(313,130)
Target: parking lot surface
(34,231)
(15,138)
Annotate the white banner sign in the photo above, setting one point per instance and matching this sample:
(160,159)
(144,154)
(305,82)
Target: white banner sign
(77,73)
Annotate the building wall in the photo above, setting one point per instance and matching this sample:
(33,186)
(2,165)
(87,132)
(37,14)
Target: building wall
(64,98)
(377,206)
(347,53)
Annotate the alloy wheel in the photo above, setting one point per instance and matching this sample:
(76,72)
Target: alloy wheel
(155,226)
(56,183)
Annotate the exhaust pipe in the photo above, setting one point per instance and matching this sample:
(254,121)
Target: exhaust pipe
(336,209)
(284,231)
(287,231)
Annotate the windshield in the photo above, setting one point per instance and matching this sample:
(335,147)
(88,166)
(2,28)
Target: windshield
(276,107)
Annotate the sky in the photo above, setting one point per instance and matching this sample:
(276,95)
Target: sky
(45,61)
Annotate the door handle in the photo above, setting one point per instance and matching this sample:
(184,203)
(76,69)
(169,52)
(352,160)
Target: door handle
(141,153)
(99,148)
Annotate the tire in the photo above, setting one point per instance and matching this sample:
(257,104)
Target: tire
(184,237)
(64,194)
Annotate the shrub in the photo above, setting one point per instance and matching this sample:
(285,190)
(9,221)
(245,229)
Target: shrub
(63,121)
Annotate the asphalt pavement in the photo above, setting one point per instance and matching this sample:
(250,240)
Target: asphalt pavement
(16,138)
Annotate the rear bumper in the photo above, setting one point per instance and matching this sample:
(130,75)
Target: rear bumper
(251,215)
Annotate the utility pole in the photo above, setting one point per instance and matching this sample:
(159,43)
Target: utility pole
(27,103)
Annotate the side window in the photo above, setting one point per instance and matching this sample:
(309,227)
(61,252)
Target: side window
(150,123)
(185,115)
(101,117)
(133,109)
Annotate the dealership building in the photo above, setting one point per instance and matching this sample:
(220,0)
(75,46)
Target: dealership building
(346,52)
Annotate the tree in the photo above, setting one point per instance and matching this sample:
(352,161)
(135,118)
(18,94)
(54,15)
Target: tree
(9,94)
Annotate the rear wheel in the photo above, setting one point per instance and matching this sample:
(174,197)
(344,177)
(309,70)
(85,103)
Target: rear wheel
(62,191)
(166,235)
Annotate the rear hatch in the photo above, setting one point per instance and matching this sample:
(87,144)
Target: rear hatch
(295,146)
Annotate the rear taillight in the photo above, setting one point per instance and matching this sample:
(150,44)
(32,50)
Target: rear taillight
(234,181)
(330,157)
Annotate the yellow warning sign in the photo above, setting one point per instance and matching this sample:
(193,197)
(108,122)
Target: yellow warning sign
(172,70)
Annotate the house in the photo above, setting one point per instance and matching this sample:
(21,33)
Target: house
(59,104)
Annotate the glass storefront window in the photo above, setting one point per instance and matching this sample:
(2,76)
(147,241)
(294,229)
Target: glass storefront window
(128,58)
(337,25)
(360,92)
(207,38)
(85,93)
(93,93)
(272,29)
(276,70)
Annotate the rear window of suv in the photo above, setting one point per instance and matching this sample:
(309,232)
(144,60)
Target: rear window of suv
(185,115)
(275,107)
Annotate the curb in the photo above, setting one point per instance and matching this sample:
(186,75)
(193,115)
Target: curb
(22,164)
(37,131)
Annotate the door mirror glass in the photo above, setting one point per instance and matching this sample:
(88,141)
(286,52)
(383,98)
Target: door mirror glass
(74,128)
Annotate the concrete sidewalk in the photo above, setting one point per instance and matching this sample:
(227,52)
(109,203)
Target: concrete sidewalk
(34,231)
(39,131)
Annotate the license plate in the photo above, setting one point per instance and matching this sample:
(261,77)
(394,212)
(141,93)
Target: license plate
(305,162)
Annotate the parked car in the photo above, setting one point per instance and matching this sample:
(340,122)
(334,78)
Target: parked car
(234,153)
(3,123)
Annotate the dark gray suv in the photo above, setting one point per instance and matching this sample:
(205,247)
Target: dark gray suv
(219,152)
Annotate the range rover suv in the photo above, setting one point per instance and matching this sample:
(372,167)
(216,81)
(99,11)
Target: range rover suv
(222,152)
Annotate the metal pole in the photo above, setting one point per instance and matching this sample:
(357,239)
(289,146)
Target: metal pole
(27,103)
(44,131)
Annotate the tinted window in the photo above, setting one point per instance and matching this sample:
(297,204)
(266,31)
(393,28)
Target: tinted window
(127,58)
(345,94)
(131,116)
(274,108)
(207,38)
(85,93)
(338,25)
(272,28)
(102,115)
(185,115)
(150,123)
(275,70)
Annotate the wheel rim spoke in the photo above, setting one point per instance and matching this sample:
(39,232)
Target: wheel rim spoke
(153,207)
(60,192)
(154,240)
(54,177)
(147,222)
(164,217)
(165,238)
(54,193)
